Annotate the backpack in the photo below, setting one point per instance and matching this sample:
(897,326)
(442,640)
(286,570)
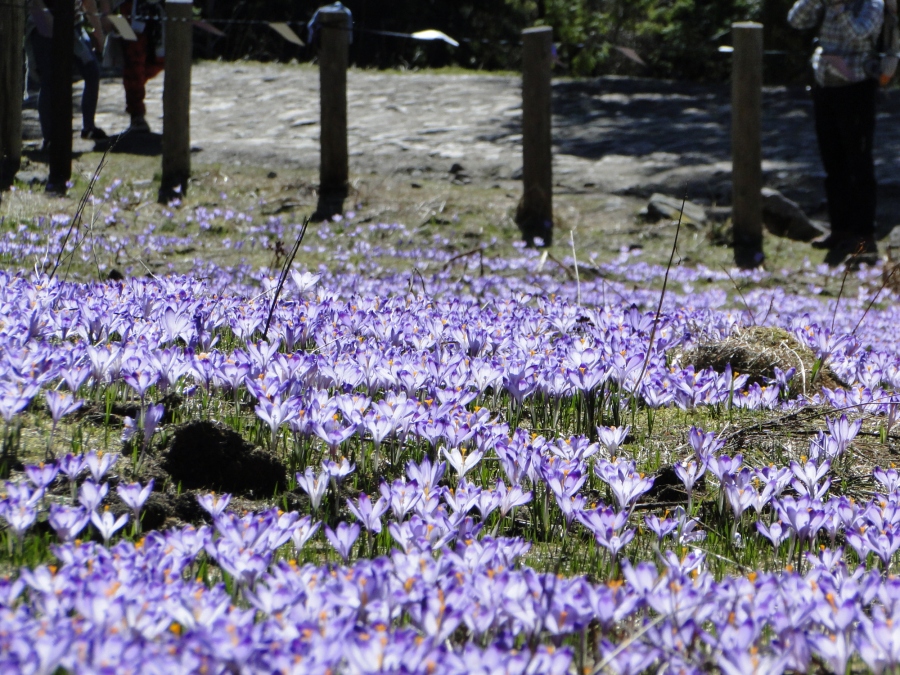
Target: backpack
(889,44)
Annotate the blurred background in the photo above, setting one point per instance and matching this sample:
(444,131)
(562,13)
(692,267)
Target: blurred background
(676,39)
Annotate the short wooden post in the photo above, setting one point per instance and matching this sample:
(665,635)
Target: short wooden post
(746,143)
(334,57)
(535,213)
(61,98)
(12,30)
(176,136)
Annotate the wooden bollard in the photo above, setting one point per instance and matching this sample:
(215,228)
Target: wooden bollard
(176,136)
(12,30)
(746,143)
(61,98)
(334,58)
(535,213)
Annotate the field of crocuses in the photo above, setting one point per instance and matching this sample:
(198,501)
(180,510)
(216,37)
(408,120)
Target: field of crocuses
(488,467)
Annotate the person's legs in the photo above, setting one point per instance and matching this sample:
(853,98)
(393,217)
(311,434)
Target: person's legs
(43,56)
(830,133)
(90,72)
(134,75)
(860,164)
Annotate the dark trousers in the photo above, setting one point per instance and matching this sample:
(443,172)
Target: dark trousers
(90,73)
(845,127)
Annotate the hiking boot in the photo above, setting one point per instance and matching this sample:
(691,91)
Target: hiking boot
(138,125)
(95,134)
(854,252)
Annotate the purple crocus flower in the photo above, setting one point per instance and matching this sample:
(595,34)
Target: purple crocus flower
(511,497)
(41,475)
(61,403)
(275,413)
(843,431)
(889,479)
(107,524)
(343,538)
(72,465)
(19,515)
(214,504)
(338,471)
(704,444)
(723,465)
(367,513)
(90,494)
(99,463)
(134,496)
(625,483)
(152,417)
(401,496)
(775,533)
(314,486)
(68,521)
(304,531)
(661,528)
(612,438)
(689,472)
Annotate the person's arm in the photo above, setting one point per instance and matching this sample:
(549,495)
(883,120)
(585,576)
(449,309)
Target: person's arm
(93,17)
(805,14)
(43,19)
(867,22)
(105,10)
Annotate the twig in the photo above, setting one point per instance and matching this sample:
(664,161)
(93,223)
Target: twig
(840,293)
(284,272)
(479,249)
(797,415)
(662,297)
(76,219)
(565,267)
(422,279)
(741,293)
(768,311)
(884,284)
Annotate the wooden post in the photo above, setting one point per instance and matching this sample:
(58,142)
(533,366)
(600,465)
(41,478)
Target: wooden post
(176,136)
(12,31)
(746,143)
(334,56)
(535,213)
(61,97)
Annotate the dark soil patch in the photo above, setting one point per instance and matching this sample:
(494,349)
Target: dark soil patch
(668,488)
(162,511)
(96,411)
(210,456)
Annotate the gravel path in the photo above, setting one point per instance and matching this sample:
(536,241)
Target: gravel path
(614,135)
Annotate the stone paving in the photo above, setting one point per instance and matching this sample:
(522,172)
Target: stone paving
(612,135)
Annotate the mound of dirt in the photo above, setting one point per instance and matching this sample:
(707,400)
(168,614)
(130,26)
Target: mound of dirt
(163,510)
(210,456)
(757,351)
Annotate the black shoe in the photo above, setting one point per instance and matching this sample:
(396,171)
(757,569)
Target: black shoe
(854,251)
(826,242)
(95,134)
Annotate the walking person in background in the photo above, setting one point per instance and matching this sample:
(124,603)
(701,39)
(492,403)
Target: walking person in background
(845,64)
(40,33)
(143,59)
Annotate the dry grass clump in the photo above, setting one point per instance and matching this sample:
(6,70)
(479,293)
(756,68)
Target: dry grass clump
(757,351)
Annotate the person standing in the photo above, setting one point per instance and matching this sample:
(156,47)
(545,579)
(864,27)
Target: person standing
(40,32)
(143,59)
(845,65)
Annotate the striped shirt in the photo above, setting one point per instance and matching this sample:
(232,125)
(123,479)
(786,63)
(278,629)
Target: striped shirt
(847,38)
